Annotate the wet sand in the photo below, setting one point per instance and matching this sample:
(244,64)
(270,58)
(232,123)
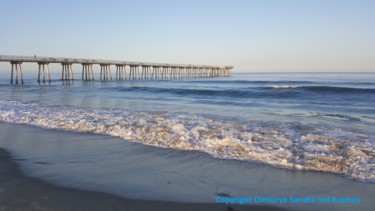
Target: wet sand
(18,192)
(59,170)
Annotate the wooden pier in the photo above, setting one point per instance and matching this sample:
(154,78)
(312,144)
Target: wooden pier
(135,70)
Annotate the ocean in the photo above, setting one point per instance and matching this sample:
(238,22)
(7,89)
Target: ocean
(300,121)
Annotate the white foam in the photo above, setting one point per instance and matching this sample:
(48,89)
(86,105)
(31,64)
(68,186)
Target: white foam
(283,87)
(318,148)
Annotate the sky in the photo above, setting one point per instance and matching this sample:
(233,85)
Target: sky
(251,35)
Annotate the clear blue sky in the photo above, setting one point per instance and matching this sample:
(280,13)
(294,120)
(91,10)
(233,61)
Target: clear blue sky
(252,35)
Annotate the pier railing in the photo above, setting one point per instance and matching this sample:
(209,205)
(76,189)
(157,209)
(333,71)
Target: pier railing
(135,70)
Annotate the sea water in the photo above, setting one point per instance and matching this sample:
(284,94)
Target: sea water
(299,121)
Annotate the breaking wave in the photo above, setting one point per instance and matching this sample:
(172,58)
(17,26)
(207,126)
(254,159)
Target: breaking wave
(293,146)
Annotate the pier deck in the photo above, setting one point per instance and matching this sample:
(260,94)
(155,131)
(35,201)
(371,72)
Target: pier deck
(135,70)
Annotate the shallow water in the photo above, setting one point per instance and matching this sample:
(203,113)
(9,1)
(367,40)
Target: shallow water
(320,122)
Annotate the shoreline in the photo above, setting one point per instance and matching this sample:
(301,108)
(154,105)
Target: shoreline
(19,192)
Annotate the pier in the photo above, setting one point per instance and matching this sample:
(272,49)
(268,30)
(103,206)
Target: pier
(125,70)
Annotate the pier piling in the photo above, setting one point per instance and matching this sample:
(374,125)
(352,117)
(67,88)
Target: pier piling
(17,70)
(87,72)
(67,71)
(43,66)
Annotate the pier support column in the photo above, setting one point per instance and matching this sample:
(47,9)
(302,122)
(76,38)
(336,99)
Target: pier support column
(87,72)
(43,66)
(131,72)
(149,72)
(102,71)
(228,72)
(187,72)
(105,72)
(143,72)
(190,71)
(155,72)
(159,72)
(117,72)
(164,72)
(137,73)
(109,71)
(16,67)
(67,71)
(120,72)
(172,73)
(91,71)
(179,72)
(124,72)
(146,73)
(169,73)
(134,72)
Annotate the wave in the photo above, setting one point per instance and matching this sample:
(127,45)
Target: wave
(248,82)
(333,89)
(336,89)
(186,91)
(279,82)
(283,87)
(286,145)
(262,91)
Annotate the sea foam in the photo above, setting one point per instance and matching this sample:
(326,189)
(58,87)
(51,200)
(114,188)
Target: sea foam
(286,145)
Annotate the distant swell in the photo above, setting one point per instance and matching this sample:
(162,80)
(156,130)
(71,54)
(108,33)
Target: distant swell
(186,92)
(292,146)
(338,90)
(249,82)
(263,91)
